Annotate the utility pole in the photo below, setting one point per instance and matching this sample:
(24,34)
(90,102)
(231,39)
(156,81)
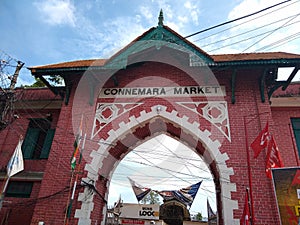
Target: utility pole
(15,76)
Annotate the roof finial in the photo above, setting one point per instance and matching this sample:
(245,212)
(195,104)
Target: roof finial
(161,19)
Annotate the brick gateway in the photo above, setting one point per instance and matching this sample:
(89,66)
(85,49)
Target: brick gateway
(160,84)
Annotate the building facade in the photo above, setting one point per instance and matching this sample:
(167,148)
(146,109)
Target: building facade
(159,84)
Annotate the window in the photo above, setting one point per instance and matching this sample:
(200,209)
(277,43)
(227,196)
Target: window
(38,139)
(19,189)
(296,128)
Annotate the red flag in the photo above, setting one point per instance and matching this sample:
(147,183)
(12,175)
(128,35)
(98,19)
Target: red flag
(273,157)
(261,141)
(245,220)
(296,179)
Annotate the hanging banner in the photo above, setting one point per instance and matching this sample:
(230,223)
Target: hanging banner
(287,190)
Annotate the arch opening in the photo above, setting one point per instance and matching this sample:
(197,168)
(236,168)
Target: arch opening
(163,163)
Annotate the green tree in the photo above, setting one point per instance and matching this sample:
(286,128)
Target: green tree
(37,83)
(151,198)
(53,80)
(199,216)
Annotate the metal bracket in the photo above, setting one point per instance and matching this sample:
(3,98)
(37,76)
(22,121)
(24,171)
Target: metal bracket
(283,84)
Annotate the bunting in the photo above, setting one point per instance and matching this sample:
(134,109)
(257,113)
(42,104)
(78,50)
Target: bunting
(212,217)
(139,191)
(184,195)
(273,159)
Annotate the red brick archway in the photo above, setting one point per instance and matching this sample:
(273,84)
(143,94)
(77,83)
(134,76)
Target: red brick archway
(141,122)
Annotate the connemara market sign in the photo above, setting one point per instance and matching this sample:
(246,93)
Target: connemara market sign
(180,91)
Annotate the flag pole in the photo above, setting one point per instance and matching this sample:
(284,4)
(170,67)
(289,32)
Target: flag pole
(68,200)
(73,167)
(69,210)
(14,166)
(249,205)
(249,172)
(3,191)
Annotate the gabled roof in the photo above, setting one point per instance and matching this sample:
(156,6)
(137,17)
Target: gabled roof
(254,56)
(219,59)
(163,36)
(71,64)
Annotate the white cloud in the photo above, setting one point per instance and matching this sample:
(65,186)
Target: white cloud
(146,13)
(181,16)
(193,11)
(57,12)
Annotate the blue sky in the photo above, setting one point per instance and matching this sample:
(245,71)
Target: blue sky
(40,32)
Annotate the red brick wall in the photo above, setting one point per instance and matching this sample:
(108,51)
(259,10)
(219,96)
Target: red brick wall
(248,109)
(283,132)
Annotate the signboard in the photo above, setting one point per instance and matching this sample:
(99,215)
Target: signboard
(138,92)
(140,211)
(287,190)
(130,221)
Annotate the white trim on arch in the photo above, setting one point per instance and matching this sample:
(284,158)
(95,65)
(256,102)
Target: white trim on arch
(211,148)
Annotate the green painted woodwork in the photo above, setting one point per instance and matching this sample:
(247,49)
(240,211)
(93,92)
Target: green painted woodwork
(38,141)
(47,144)
(19,189)
(262,85)
(30,141)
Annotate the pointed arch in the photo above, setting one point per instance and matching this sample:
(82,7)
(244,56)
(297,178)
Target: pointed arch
(148,123)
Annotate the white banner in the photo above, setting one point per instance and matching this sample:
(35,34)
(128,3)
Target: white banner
(187,91)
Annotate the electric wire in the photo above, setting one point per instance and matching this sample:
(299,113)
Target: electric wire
(273,31)
(255,29)
(237,19)
(280,42)
(251,20)
(246,39)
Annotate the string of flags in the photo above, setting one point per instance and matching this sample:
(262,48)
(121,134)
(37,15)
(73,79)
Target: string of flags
(211,215)
(139,191)
(185,195)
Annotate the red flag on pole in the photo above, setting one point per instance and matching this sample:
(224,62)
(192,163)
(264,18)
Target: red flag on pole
(245,220)
(273,157)
(261,141)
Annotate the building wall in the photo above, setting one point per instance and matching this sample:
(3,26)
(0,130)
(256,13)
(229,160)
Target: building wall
(247,116)
(32,103)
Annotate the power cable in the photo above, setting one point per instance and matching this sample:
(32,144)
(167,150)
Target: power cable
(282,41)
(285,24)
(259,17)
(246,39)
(231,21)
(255,29)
